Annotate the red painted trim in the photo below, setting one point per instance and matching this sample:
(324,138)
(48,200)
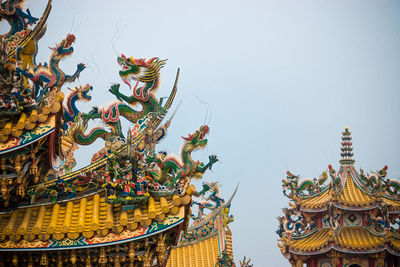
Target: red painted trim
(340,264)
(319,220)
(371,262)
(313,262)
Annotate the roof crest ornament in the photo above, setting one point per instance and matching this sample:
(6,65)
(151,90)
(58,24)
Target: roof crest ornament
(347,148)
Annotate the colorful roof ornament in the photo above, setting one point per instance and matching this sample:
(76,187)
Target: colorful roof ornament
(353,219)
(131,204)
(347,148)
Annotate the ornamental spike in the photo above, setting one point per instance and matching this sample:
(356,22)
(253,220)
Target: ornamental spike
(347,148)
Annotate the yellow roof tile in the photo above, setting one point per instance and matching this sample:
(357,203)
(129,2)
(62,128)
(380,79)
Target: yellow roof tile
(395,243)
(201,254)
(312,242)
(351,196)
(79,217)
(348,238)
(317,202)
(394,204)
(359,238)
(354,196)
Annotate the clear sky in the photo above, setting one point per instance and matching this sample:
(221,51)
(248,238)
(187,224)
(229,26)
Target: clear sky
(276,80)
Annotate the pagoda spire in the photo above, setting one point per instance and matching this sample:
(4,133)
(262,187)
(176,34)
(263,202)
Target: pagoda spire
(347,148)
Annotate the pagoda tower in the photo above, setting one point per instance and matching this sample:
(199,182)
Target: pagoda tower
(353,220)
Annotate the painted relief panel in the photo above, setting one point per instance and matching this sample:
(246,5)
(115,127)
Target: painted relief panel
(352,219)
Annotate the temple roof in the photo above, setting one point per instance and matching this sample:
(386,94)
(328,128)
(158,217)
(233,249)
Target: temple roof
(201,254)
(86,218)
(354,213)
(348,188)
(349,239)
(351,196)
(205,240)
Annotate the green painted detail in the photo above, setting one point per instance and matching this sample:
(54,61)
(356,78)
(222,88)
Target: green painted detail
(170,170)
(140,70)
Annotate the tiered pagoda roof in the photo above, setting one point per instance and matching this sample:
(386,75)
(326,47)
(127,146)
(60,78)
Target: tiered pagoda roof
(354,213)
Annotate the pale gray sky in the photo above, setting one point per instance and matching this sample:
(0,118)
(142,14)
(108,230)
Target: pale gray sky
(280,78)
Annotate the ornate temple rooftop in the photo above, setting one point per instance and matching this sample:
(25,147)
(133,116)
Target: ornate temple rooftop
(131,204)
(355,212)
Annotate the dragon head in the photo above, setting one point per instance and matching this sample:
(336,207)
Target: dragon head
(212,187)
(83,92)
(196,140)
(64,48)
(140,69)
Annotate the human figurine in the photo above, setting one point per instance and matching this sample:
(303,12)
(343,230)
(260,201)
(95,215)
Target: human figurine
(152,137)
(140,185)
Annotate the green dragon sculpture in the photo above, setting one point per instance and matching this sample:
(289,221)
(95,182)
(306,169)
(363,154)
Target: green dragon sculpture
(304,188)
(147,72)
(77,129)
(170,170)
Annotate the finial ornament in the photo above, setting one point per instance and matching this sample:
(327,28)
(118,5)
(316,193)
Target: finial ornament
(347,148)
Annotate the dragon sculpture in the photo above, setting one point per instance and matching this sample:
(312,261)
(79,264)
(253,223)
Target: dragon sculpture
(214,197)
(306,187)
(377,183)
(80,93)
(170,170)
(379,220)
(77,129)
(225,260)
(332,218)
(374,180)
(140,70)
(292,223)
(50,75)
(143,71)
(245,262)
(392,188)
(20,42)
(11,10)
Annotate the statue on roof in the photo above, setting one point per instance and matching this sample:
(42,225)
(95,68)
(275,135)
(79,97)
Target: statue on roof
(305,187)
(212,203)
(140,70)
(49,76)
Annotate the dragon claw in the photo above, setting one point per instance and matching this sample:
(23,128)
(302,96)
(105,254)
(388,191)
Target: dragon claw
(213,159)
(81,67)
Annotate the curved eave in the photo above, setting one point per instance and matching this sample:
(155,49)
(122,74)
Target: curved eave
(318,203)
(315,194)
(112,239)
(351,197)
(86,222)
(349,240)
(29,136)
